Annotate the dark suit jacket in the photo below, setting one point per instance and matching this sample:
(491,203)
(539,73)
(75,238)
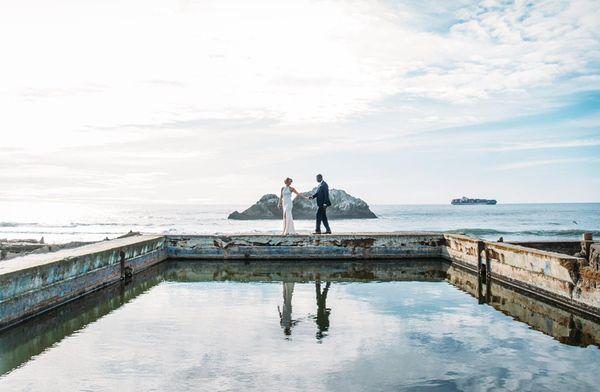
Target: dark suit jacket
(322,195)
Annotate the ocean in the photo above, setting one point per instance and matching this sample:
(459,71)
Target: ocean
(65,222)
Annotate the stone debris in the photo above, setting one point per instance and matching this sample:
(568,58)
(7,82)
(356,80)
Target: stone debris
(21,247)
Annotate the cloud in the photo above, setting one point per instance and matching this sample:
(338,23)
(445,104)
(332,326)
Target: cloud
(169,83)
(53,92)
(353,56)
(542,145)
(200,123)
(227,88)
(546,162)
(445,120)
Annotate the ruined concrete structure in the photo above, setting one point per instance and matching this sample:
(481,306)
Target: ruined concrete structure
(51,327)
(35,283)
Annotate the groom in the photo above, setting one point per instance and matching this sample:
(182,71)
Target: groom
(322,196)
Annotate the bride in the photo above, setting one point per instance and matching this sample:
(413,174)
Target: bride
(285,202)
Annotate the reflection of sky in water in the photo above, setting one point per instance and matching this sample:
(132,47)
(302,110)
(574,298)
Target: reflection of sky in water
(228,336)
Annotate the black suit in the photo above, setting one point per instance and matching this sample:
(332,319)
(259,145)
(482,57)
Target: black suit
(322,196)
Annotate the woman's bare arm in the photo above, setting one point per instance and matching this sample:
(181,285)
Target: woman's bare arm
(280,202)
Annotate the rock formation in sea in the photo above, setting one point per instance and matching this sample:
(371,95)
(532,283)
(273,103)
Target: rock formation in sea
(343,206)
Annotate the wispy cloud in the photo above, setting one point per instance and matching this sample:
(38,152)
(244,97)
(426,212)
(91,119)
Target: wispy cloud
(54,92)
(545,162)
(543,145)
(200,123)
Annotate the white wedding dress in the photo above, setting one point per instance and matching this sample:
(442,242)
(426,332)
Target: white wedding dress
(288,219)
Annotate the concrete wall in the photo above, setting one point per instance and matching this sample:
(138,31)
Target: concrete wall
(547,274)
(34,283)
(303,247)
(553,272)
(587,289)
(461,249)
(594,257)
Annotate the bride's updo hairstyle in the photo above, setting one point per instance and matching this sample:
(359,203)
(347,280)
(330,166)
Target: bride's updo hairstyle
(288,180)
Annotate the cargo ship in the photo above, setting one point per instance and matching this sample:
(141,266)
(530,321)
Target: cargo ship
(466,201)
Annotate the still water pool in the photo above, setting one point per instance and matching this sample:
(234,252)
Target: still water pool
(203,326)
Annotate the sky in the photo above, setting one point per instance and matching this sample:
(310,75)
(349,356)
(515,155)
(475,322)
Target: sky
(160,101)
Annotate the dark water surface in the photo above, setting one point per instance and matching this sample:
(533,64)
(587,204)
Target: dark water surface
(355,326)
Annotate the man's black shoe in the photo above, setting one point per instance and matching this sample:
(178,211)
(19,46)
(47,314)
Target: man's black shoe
(317,232)
(328,232)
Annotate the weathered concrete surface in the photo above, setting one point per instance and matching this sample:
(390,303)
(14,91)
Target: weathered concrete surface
(554,272)
(587,289)
(34,283)
(594,257)
(303,247)
(461,248)
(548,274)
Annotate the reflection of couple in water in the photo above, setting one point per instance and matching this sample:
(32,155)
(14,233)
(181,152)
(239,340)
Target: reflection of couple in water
(322,317)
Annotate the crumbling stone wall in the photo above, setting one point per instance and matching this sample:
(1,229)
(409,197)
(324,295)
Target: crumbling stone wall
(594,258)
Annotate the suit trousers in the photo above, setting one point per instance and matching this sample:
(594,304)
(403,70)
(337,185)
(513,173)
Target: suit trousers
(322,217)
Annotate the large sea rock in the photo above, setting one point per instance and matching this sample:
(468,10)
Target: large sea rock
(343,206)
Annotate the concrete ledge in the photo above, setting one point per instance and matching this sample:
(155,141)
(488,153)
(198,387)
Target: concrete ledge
(460,248)
(306,247)
(35,283)
(548,274)
(554,272)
